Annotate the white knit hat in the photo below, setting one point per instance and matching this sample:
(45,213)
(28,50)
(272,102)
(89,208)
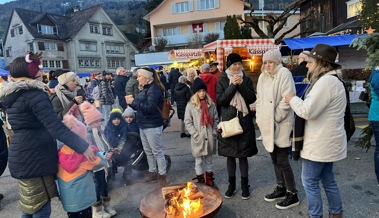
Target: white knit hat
(272,55)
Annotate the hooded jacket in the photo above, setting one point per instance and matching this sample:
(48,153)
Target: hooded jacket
(182,96)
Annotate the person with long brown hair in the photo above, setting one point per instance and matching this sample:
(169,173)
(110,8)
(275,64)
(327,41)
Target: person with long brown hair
(147,104)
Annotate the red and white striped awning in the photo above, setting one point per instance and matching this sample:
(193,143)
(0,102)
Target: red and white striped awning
(254,46)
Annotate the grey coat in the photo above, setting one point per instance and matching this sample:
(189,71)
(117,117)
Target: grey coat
(203,139)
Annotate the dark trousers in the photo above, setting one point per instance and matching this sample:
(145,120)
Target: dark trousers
(283,170)
(101,185)
(231,166)
(86,213)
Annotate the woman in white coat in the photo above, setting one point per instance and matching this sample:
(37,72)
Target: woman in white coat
(275,120)
(322,108)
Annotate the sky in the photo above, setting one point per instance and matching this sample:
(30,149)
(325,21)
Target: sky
(5,1)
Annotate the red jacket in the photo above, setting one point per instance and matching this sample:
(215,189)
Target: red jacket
(211,82)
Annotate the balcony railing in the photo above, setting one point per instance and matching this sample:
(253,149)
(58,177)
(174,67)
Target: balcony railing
(184,38)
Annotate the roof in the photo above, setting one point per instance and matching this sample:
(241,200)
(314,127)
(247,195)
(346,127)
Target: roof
(352,25)
(68,26)
(308,43)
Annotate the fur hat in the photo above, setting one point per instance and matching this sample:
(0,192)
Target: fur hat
(66,77)
(128,112)
(34,63)
(233,58)
(90,113)
(198,84)
(272,55)
(75,126)
(324,52)
(115,113)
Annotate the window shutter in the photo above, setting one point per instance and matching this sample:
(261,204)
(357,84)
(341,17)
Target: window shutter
(39,28)
(190,5)
(41,46)
(55,30)
(60,47)
(198,5)
(217,26)
(217,3)
(173,8)
(205,27)
(65,64)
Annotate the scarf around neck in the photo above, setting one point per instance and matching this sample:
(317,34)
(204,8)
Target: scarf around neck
(205,119)
(64,95)
(237,101)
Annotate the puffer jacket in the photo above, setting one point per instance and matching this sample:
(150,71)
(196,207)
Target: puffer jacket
(115,135)
(3,150)
(182,96)
(106,93)
(131,87)
(243,145)
(146,104)
(33,148)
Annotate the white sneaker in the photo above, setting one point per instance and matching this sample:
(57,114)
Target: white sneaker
(259,138)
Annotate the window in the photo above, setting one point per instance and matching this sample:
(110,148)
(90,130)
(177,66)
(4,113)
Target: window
(94,28)
(88,46)
(286,25)
(207,4)
(31,48)
(113,63)
(51,64)
(118,49)
(219,26)
(181,7)
(20,30)
(44,29)
(89,63)
(353,8)
(172,31)
(107,30)
(8,52)
(12,32)
(50,46)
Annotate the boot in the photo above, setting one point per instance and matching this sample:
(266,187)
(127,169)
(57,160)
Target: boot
(162,180)
(151,177)
(290,201)
(231,188)
(108,208)
(97,211)
(245,188)
(200,178)
(338,215)
(209,180)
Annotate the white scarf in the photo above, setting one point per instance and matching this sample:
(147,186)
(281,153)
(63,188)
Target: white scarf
(237,101)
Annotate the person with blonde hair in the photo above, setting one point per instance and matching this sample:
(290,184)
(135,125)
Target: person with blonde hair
(201,120)
(319,133)
(191,76)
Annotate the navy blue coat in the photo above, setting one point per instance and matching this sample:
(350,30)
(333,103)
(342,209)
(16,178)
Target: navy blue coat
(119,88)
(33,149)
(146,105)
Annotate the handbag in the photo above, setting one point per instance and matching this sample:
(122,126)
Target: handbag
(230,128)
(166,108)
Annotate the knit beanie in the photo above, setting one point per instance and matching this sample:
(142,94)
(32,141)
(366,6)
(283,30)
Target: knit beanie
(115,113)
(233,58)
(66,77)
(272,55)
(198,84)
(128,112)
(90,113)
(75,126)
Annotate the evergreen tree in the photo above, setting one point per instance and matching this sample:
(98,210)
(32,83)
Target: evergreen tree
(369,15)
(152,4)
(246,32)
(231,28)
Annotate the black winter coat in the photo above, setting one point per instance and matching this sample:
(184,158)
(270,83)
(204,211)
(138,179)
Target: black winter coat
(33,149)
(182,96)
(146,104)
(115,134)
(243,145)
(173,78)
(119,88)
(3,150)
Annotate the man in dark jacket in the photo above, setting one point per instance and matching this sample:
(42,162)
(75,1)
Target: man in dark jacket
(119,86)
(301,69)
(3,152)
(173,80)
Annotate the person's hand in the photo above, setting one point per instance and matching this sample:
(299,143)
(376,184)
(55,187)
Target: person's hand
(79,99)
(237,80)
(253,108)
(88,153)
(288,98)
(129,99)
(108,156)
(116,151)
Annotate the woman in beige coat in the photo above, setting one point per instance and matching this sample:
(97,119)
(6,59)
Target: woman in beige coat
(201,120)
(275,120)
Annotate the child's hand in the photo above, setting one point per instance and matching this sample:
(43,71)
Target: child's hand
(116,151)
(108,156)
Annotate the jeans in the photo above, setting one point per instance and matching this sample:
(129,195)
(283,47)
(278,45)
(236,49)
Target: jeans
(44,212)
(283,170)
(105,111)
(375,129)
(200,167)
(152,145)
(101,185)
(312,173)
(86,213)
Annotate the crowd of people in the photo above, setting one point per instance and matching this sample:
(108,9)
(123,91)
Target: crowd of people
(90,131)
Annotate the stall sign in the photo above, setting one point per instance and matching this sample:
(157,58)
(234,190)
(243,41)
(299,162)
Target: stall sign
(186,53)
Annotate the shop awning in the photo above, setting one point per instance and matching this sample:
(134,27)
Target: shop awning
(157,58)
(308,43)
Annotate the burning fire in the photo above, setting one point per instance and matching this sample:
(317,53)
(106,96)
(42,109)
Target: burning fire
(185,202)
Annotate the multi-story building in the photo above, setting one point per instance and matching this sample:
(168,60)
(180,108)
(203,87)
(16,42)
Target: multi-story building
(85,41)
